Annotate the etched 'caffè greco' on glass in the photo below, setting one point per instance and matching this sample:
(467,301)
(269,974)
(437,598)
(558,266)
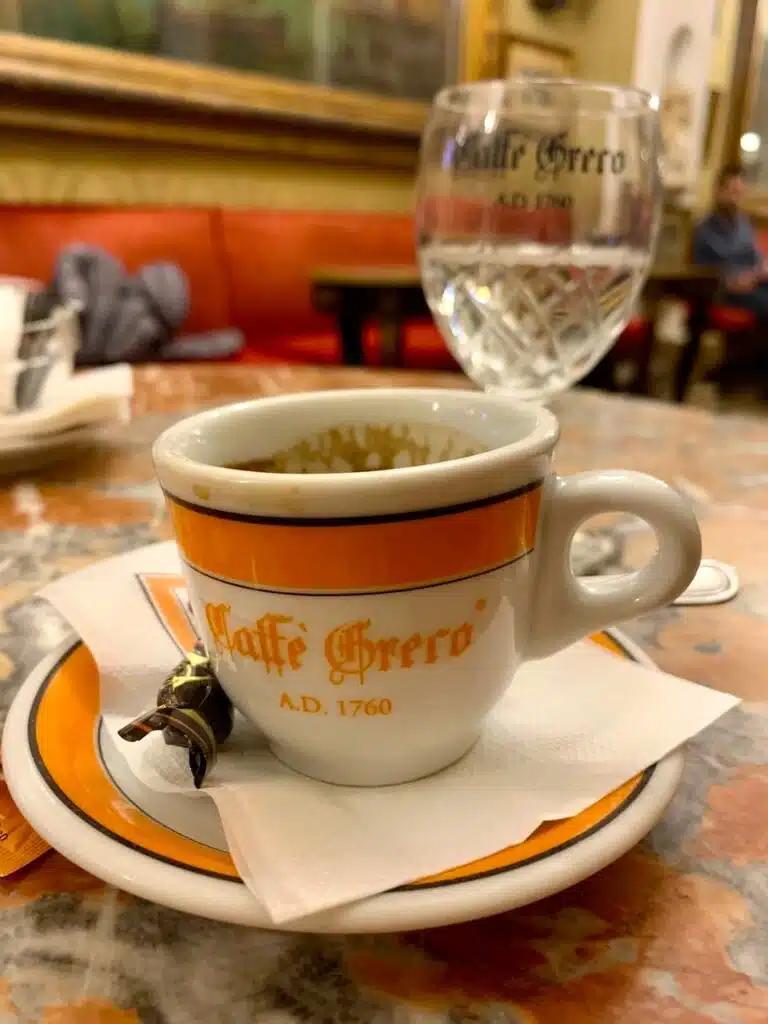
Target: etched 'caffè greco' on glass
(537,215)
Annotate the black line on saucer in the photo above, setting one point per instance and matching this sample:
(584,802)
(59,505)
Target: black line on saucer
(647,774)
(597,827)
(372,520)
(410,887)
(62,796)
(141,810)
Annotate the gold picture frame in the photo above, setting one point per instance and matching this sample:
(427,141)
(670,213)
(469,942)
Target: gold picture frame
(520,55)
(713,114)
(92,123)
(75,68)
(355,66)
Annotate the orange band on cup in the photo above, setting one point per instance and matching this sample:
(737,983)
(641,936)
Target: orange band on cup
(367,554)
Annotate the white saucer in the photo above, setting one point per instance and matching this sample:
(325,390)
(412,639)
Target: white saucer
(74,789)
(714,583)
(28,454)
(88,398)
(77,417)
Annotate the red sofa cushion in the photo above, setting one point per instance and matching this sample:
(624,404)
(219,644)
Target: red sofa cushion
(423,349)
(270,259)
(731,318)
(456,216)
(31,237)
(313,349)
(636,334)
(249,269)
(271,254)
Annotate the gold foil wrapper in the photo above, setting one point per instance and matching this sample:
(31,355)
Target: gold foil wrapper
(192,711)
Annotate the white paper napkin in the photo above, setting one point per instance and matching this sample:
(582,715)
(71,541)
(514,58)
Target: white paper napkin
(570,729)
(93,396)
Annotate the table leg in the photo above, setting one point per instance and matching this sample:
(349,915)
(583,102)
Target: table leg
(641,385)
(697,321)
(601,376)
(391,340)
(391,329)
(351,323)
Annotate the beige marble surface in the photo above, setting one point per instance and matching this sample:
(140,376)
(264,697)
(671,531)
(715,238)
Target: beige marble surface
(675,931)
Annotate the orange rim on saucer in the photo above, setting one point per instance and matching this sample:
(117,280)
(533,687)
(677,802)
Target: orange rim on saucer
(68,760)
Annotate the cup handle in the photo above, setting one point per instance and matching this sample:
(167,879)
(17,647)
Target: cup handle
(566,608)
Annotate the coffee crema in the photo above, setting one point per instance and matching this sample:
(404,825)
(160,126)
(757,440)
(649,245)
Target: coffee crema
(365,448)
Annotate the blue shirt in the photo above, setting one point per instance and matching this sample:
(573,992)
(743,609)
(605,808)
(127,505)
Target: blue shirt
(726,243)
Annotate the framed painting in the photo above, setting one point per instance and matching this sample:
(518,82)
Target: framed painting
(373,64)
(522,56)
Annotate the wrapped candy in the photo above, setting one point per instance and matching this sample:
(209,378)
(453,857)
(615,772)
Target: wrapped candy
(193,711)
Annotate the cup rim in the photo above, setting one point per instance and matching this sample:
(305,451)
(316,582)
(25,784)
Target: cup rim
(171,462)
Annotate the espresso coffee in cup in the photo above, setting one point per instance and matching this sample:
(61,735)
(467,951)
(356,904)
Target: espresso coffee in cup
(368,621)
(364,448)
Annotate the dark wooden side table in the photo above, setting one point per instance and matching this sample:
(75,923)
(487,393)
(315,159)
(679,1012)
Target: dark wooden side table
(356,296)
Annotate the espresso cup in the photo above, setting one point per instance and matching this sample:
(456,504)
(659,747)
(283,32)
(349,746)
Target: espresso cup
(367,622)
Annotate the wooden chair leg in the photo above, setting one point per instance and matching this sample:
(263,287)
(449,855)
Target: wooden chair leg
(641,385)
(740,349)
(601,376)
(689,356)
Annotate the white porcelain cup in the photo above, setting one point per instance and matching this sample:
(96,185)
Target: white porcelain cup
(367,622)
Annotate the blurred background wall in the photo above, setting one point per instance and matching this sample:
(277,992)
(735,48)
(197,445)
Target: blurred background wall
(53,150)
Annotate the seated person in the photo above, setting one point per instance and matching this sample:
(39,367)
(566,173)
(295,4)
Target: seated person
(725,240)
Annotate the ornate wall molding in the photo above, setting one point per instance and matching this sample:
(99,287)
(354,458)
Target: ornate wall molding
(93,150)
(81,124)
(29,61)
(53,168)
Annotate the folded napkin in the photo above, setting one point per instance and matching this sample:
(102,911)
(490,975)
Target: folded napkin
(90,397)
(569,730)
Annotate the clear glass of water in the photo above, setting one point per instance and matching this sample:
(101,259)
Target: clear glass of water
(538,206)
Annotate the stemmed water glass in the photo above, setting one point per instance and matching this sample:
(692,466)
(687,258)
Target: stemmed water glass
(537,212)
(538,205)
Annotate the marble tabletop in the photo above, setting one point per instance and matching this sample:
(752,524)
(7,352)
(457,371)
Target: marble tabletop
(677,930)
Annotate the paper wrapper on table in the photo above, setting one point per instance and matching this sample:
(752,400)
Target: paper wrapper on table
(569,730)
(20,845)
